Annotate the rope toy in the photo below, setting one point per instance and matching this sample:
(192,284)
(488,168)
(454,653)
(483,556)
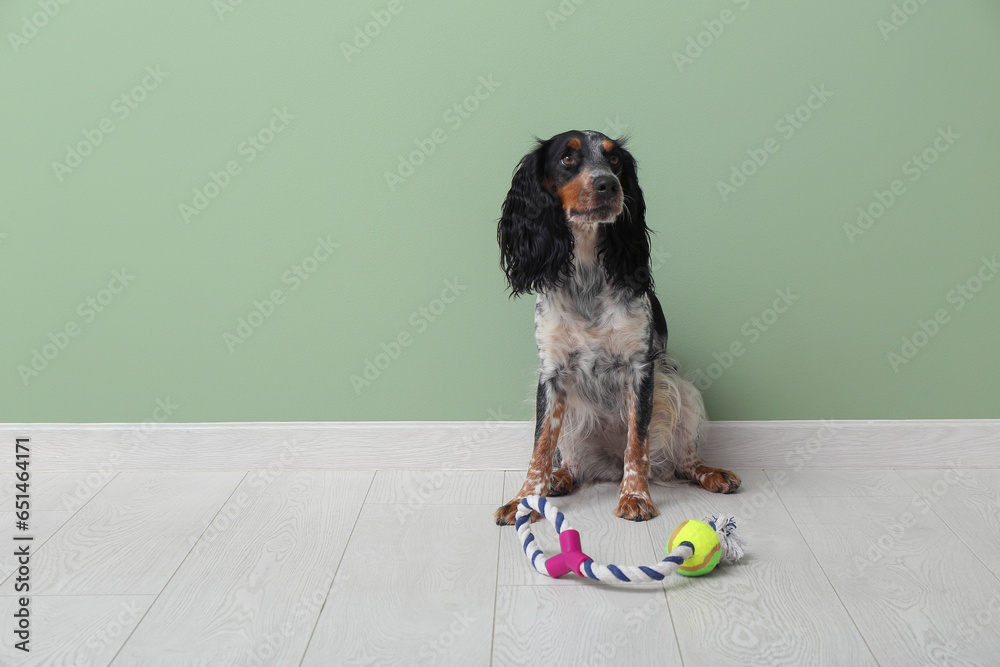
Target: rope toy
(694,548)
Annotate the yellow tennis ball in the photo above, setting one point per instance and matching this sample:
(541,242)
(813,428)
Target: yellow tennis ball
(706,547)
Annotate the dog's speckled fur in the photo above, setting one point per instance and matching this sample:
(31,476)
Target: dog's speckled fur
(611,405)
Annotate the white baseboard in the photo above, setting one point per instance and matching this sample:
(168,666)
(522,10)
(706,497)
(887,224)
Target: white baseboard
(960,443)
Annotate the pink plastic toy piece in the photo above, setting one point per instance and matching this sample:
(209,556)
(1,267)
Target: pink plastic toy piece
(571,557)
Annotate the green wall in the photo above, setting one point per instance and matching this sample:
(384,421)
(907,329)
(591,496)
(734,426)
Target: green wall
(169,169)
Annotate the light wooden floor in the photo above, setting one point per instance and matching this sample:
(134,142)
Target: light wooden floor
(320,567)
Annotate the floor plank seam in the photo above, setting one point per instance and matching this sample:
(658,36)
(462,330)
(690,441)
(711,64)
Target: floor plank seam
(42,544)
(906,607)
(665,589)
(176,569)
(975,555)
(496,578)
(63,524)
(333,579)
(826,574)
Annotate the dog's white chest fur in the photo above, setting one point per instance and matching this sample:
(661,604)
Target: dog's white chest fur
(594,339)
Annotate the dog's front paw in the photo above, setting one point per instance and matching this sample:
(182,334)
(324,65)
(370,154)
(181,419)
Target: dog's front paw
(562,482)
(635,507)
(718,480)
(507,513)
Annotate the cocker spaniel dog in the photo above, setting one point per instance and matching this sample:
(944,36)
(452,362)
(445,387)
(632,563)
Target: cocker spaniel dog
(611,405)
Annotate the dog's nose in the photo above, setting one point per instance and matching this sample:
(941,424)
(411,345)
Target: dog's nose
(606,186)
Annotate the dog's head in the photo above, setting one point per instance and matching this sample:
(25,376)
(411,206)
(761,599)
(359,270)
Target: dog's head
(574,179)
(583,170)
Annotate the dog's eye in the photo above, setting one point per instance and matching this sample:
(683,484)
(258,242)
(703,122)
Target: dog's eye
(567,160)
(613,159)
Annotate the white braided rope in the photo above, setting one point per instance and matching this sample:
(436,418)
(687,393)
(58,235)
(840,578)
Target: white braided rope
(730,545)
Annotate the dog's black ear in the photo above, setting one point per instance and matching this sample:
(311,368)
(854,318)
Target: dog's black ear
(536,245)
(624,248)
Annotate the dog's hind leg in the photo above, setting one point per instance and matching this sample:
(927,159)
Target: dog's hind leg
(679,425)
